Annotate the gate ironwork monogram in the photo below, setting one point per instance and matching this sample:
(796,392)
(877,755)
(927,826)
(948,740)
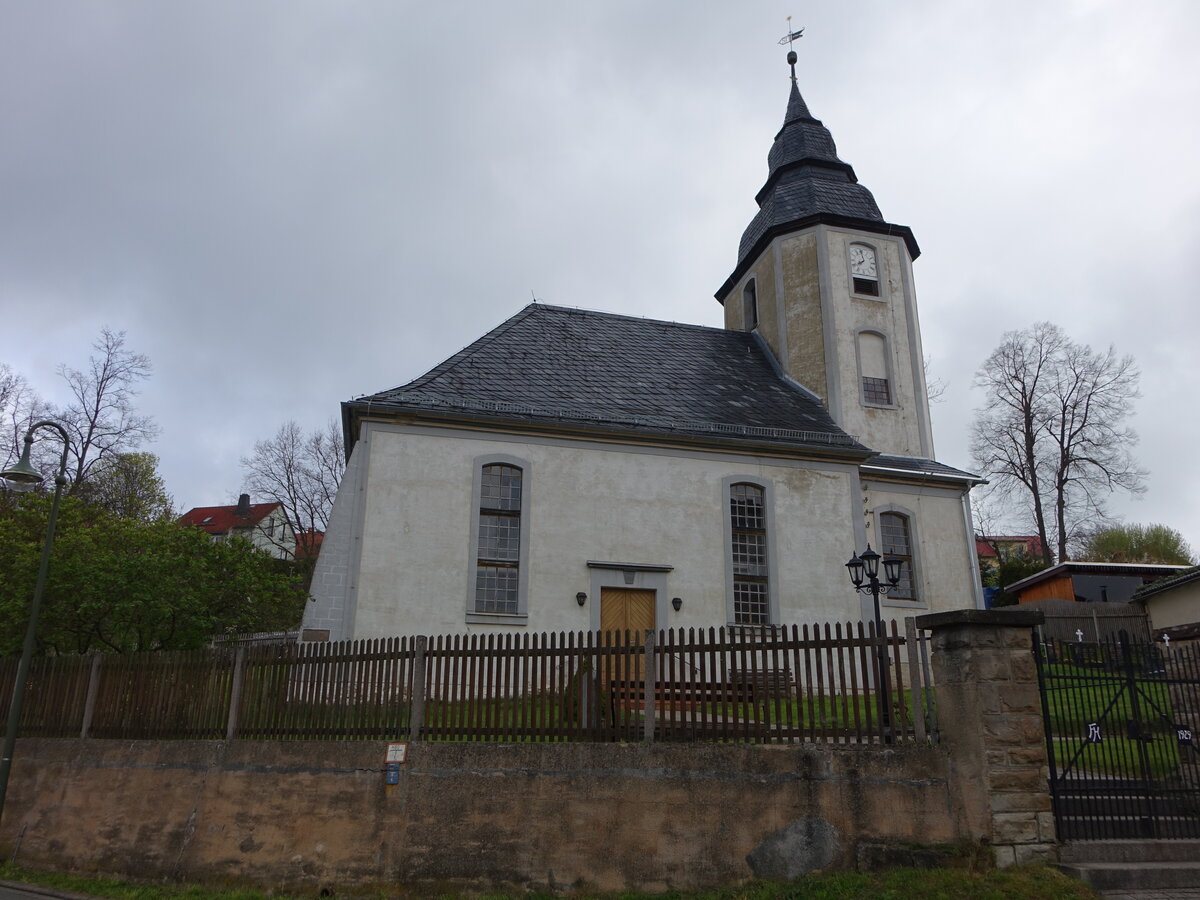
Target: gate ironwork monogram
(1120,723)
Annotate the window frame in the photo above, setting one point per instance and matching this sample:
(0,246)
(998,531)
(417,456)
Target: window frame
(918,601)
(887,362)
(521,616)
(772,566)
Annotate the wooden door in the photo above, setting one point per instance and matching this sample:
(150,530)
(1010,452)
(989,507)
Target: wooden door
(626,610)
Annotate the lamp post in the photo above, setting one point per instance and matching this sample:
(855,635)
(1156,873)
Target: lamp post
(24,473)
(868,565)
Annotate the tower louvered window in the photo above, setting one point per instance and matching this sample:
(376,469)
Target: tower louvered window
(748,554)
(497,571)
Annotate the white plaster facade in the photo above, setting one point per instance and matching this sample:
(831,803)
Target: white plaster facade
(404,563)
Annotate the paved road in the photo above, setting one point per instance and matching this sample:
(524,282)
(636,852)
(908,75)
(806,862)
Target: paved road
(1170,894)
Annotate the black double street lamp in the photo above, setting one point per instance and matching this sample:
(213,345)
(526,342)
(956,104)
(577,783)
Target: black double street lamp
(864,574)
(23,473)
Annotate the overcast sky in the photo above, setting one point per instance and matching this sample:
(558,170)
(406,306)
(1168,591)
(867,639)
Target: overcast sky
(288,204)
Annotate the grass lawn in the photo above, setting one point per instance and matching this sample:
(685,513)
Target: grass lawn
(1032,883)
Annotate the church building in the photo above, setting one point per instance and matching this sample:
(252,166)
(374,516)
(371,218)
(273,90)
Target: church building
(574,470)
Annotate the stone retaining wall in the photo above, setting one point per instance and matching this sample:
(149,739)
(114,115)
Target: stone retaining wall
(596,817)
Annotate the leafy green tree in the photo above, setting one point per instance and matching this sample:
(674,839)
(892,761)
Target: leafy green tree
(1138,544)
(124,585)
(128,485)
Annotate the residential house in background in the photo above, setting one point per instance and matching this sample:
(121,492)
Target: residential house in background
(574,470)
(994,549)
(1089,582)
(265,525)
(1173,605)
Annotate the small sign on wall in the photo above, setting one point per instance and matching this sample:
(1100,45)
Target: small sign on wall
(397,755)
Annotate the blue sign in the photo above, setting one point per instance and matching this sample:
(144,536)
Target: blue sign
(391,773)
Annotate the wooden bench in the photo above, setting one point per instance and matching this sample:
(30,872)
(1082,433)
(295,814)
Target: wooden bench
(760,686)
(765,684)
(678,695)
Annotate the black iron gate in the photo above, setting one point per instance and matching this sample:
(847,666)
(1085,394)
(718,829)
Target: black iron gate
(1120,732)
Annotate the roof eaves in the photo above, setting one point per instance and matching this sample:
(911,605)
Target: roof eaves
(928,474)
(836,444)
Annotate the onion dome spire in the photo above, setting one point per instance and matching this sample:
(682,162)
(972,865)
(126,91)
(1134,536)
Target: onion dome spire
(807,183)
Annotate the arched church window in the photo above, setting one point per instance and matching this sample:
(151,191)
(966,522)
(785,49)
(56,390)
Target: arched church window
(750,305)
(498,560)
(895,532)
(864,269)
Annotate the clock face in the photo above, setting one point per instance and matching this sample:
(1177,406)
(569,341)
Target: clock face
(862,262)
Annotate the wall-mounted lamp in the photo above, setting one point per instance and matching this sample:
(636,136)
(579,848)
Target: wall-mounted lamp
(677,602)
(581,598)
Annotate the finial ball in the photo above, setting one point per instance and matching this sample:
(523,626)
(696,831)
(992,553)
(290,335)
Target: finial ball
(791,57)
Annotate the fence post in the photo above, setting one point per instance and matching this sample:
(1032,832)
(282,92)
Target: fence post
(416,712)
(650,679)
(89,704)
(235,693)
(915,685)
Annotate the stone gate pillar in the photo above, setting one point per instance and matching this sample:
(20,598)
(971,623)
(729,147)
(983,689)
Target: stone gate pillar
(989,716)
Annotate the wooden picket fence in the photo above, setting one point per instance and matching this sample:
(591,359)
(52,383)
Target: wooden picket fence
(781,684)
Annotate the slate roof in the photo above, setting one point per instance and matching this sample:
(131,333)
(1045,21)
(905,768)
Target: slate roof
(807,182)
(613,372)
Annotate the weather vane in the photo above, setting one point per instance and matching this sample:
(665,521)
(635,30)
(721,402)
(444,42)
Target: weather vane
(791,35)
(788,39)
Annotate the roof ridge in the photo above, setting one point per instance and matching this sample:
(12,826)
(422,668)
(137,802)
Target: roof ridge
(629,318)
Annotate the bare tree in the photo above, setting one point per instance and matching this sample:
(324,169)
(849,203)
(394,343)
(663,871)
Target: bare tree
(300,470)
(1091,395)
(1051,434)
(100,417)
(1008,434)
(19,408)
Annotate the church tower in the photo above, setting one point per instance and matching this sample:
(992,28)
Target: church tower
(826,282)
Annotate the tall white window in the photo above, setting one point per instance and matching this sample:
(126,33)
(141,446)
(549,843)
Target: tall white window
(498,560)
(748,547)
